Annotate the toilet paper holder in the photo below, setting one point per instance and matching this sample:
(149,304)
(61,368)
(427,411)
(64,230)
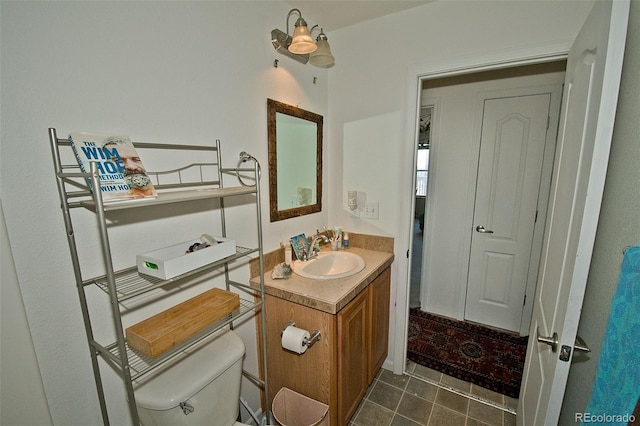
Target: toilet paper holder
(315,335)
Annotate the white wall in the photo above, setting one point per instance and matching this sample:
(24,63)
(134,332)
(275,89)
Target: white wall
(374,87)
(188,72)
(25,402)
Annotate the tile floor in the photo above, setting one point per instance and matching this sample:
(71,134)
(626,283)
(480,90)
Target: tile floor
(405,400)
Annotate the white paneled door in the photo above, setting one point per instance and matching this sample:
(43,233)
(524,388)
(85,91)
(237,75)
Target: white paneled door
(512,149)
(586,126)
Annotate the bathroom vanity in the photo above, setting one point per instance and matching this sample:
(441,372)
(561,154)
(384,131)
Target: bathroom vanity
(352,315)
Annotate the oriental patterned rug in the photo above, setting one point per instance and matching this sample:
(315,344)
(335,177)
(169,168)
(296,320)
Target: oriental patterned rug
(484,356)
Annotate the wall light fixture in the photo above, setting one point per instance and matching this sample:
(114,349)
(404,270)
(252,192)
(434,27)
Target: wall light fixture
(301,46)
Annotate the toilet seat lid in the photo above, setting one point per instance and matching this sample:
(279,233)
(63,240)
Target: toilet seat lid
(189,373)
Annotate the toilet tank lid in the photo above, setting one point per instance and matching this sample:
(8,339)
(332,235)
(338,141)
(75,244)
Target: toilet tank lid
(188,374)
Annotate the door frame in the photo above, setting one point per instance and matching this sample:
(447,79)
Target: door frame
(416,74)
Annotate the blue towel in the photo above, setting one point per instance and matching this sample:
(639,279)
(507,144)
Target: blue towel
(617,385)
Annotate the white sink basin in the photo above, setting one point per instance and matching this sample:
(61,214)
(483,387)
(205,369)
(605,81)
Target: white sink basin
(330,265)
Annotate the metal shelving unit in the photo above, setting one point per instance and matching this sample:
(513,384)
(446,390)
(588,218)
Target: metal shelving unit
(127,284)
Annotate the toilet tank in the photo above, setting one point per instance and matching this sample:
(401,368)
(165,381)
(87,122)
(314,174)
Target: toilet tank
(206,379)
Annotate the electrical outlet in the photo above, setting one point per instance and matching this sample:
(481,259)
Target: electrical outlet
(370,210)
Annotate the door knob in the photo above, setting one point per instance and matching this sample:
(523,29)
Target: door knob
(581,345)
(480,229)
(551,341)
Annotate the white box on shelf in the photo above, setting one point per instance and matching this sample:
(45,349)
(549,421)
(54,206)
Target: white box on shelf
(175,260)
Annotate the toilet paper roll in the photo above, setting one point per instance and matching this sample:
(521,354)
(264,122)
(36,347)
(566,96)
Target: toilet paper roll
(293,339)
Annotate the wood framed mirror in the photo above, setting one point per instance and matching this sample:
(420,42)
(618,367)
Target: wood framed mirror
(295,161)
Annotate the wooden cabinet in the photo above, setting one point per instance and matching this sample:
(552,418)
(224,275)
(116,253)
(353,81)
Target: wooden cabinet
(379,294)
(337,369)
(353,355)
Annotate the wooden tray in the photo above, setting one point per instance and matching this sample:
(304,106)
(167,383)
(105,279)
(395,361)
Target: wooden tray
(167,329)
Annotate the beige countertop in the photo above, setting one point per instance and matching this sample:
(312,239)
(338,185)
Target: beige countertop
(328,295)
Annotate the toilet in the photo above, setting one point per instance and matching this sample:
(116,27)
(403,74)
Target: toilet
(201,388)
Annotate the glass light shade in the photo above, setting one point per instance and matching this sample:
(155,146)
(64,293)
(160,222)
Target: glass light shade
(322,57)
(302,42)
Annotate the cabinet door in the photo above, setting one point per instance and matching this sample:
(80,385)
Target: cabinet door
(353,373)
(379,291)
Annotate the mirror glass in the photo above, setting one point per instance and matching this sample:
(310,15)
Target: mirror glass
(295,161)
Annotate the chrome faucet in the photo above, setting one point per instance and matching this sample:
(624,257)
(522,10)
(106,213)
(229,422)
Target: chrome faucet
(310,252)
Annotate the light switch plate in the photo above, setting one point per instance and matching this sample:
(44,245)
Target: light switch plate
(370,210)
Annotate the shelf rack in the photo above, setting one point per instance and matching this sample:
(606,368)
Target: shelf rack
(173,186)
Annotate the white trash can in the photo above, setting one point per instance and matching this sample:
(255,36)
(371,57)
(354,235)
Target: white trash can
(291,408)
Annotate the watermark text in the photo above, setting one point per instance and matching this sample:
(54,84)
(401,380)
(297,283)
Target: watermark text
(604,418)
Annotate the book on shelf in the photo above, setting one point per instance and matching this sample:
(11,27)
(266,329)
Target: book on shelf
(121,173)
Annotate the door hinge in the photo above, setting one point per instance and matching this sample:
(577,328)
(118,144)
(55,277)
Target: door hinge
(407,254)
(548,121)
(524,302)
(536,219)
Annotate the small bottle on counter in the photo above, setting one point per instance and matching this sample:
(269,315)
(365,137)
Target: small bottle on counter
(287,252)
(345,240)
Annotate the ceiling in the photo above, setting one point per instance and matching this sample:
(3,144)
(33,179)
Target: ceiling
(336,14)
